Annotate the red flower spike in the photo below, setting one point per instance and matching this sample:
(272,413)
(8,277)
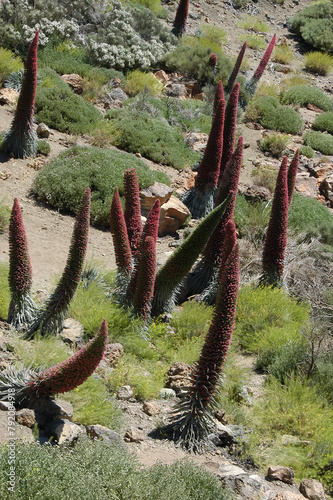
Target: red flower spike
(292,172)
(276,236)
(119,234)
(213,59)
(21,139)
(218,96)
(132,208)
(145,279)
(264,60)
(179,24)
(50,319)
(73,372)
(235,71)
(230,123)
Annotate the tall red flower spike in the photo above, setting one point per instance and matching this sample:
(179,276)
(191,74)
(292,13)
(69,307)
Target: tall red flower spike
(119,234)
(61,378)
(150,229)
(51,317)
(21,140)
(200,199)
(132,208)
(292,172)
(22,309)
(146,279)
(230,124)
(264,60)
(218,96)
(192,419)
(235,71)
(179,24)
(276,236)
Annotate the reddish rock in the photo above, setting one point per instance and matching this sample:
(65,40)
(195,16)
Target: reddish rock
(173,214)
(134,436)
(157,191)
(26,417)
(312,489)
(151,408)
(280,473)
(74,81)
(113,352)
(162,76)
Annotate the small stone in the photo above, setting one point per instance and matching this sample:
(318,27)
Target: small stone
(43,130)
(161,76)
(125,392)
(284,474)
(151,408)
(175,90)
(230,470)
(173,215)
(73,333)
(74,81)
(134,436)
(26,417)
(64,431)
(312,489)
(158,191)
(167,393)
(99,431)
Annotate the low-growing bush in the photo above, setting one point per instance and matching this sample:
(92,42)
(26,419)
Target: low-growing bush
(5,295)
(315,24)
(253,23)
(319,141)
(274,144)
(324,122)
(283,54)
(8,64)
(274,116)
(254,41)
(306,213)
(264,175)
(58,107)
(138,81)
(294,79)
(251,219)
(152,138)
(306,151)
(4,215)
(319,63)
(62,181)
(302,95)
(43,147)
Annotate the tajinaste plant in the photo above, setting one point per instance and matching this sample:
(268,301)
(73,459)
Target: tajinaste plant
(51,317)
(213,59)
(120,239)
(132,211)
(218,96)
(230,124)
(22,309)
(180,262)
(292,172)
(276,236)
(145,279)
(21,139)
(206,270)
(192,419)
(29,385)
(236,68)
(200,198)
(179,24)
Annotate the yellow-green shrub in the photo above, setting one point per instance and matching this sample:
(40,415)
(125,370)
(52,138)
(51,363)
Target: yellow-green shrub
(139,81)
(318,62)
(8,64)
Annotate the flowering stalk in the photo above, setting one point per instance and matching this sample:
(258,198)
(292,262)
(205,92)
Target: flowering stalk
(61,378)
(145,279)
(51,317)
(200,198)
(21,139)
(229,133)
(192,419)
(213,60)
(119,234)
(132,208)
(218,96)
(179,264)
(150,230)
(235,71)
(179,24)
(276,236)
(292,172)
(203,273)
(22,309)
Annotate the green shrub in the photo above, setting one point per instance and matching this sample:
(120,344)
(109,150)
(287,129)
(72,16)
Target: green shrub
(8,64)
(253,23)
(294,79)
(324,122)
(319,141)
(191,320)
(4,215)
(154,6)
(267,89)
(274,144)
(152,138)
(191,57)
(254,42)
(318,63)
(58,107)
(43,147)
(5,295)
(283,54)
(214,34)
(306,151)
(251,219)
(315,24)
(264,175)
(274,116)
(306,213)
(94,470)
(62,181)
(302,95)
(138,81)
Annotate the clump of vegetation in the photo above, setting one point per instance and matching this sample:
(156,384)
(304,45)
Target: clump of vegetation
(324,122)
(4,215)
(254,41)
(253,23)
(62,181)
(274,144)
(8,63)
(315,23)
(138,81)
(282,53)
(303,94)
(306,151)
(306,212)
(264,175)
(274,116)
(43,148)
(319,63)
(319,141)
